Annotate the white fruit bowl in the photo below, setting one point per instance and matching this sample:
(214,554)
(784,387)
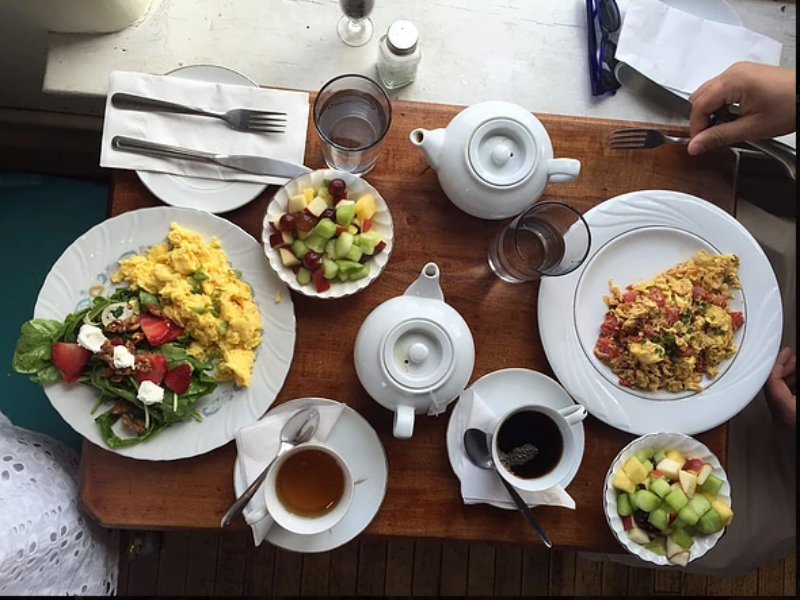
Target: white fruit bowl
(356,187)
(689,447)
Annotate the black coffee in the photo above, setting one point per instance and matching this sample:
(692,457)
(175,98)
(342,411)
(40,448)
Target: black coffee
(526,430)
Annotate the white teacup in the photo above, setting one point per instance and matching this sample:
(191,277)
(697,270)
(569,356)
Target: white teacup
(564,419)
(299,524)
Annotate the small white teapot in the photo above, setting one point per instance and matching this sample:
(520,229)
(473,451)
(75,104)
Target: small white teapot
(414,353)
(494,159)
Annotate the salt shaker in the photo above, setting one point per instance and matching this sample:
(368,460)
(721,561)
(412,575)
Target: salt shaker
(399,55)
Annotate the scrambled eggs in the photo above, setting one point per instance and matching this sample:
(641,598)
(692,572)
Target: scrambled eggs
(202,293)
(668,332)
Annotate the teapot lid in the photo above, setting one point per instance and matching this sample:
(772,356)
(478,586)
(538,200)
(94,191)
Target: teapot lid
(502,152)
(418,355)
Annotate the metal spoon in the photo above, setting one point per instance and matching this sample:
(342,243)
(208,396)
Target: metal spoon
(300,428)
(476,444)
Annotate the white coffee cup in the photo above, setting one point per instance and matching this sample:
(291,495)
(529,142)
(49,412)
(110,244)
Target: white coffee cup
(564,418)
(296,523)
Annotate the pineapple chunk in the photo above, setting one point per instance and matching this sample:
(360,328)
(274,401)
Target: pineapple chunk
(725,511)
(622,482)
(366,207)
(635,470)
(309,194)
(676,456)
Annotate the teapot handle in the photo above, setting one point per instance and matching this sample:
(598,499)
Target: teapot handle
(563,170)
(403,422)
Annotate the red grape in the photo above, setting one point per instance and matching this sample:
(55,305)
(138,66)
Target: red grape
(312,260)
(328,213)
(305,222)
(287,222)
(337,187)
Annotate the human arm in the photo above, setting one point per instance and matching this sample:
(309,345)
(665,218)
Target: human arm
(780,390)
(767,99)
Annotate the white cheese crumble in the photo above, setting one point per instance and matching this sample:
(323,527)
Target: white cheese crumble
(91,338)
(150,393)
(123,359)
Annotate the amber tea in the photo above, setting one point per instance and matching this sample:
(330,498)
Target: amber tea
(310,483)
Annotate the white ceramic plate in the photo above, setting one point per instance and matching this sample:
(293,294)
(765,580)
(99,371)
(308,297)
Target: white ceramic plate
(212,195)
(90,261)
(356,187)
(690,448)
(634,237)
(506,390)
(361,448)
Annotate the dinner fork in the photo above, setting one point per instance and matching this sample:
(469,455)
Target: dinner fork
(635,138)
(240,119)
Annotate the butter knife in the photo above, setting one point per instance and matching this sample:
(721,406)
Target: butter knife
(258,165)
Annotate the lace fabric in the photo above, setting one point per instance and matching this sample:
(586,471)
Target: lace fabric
(47,547)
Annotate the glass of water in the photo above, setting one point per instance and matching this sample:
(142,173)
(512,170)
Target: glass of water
(355,27)
(352,114)
(549,239)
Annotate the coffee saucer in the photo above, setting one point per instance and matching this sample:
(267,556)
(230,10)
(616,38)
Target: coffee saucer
(504,391)
(354,439)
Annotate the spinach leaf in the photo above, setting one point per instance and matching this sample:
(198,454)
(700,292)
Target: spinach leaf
(35,344)
(106,422)
(47,375)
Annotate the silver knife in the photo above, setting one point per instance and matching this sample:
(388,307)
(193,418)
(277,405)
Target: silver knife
(258,165)
(641,85)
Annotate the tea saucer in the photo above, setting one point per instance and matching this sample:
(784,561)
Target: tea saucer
(359,445)
(506,390)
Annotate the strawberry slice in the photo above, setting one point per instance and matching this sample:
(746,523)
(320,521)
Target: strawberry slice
(178,378)
(70,359)
(157,371)
(158,330)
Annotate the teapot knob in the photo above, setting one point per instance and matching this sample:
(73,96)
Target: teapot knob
(417,353)
(501,154)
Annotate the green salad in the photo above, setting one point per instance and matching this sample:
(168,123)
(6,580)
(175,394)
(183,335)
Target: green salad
(125,347)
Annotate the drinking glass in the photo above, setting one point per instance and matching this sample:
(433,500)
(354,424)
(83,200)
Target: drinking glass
(355,27)
(549,239)
(352,114)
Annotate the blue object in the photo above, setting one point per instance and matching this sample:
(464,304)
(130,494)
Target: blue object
(603,22)
(40,216)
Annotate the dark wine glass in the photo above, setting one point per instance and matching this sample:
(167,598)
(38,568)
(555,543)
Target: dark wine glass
(355,27)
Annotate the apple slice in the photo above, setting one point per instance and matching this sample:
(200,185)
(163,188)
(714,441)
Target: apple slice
(703,473)
(275,220)
(638,535)
(288,258)
(280,239)
(628,523)
(693,464)
(317,206)
(688,481)
(296,204)
(669,467)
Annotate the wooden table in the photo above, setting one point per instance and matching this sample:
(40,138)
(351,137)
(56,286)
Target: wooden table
(422,499)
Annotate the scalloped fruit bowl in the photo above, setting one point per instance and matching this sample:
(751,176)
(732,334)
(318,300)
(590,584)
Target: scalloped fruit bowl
(351,249)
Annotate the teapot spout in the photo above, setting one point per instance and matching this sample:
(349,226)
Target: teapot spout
(427,284)
(431,144)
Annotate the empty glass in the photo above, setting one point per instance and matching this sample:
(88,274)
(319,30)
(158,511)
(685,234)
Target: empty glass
(352,114)
(549,239)
(355,27)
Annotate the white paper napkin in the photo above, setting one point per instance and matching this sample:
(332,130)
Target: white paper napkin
(682,51)
(201,133)
(481,486)
(257,444)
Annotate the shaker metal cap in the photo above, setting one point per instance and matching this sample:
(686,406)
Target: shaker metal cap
(402,37)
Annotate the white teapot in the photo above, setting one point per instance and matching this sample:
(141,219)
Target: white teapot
(494,159)
(414,353)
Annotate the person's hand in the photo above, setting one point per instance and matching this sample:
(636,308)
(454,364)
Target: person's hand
(767,106)
(780,390)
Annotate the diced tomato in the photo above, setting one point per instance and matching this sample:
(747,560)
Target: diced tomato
(179,378)
(657,296)
(158,330)
(673,315)
(116,341)
(629,296)
(648,331)
(737,319)
(157,368)
(625,382)
(606,348)
(70,359)
(610,326)
(719,300)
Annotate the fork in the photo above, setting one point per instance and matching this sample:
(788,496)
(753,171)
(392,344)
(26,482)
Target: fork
(240,119)
(635,138)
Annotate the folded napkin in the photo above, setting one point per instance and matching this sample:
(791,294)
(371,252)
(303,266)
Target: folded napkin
(257,444)
(482,485)
(201,133)
(681,51)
